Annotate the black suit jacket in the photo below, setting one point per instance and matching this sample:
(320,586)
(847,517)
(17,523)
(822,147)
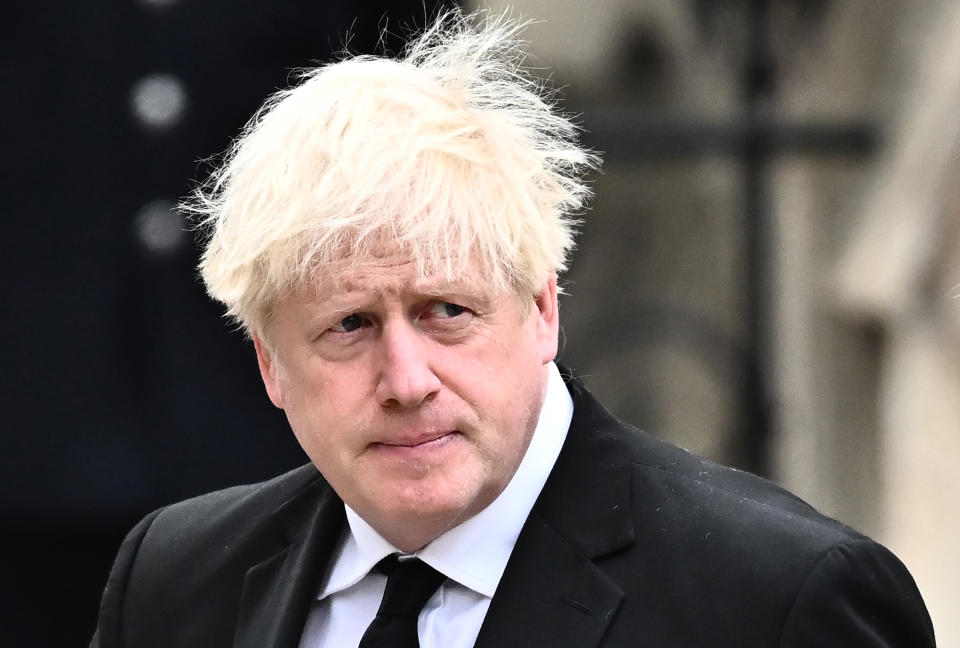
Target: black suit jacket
(633,542)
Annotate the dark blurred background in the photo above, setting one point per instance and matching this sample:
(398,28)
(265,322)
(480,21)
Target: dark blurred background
(124,388)
(764,276)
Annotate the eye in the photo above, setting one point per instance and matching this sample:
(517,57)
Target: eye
(445,310)
(348,324)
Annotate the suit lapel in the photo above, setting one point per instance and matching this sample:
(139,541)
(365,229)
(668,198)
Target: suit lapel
(278,592)
(550,595)
(553,591)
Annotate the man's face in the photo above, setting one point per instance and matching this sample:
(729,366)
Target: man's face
(416,401)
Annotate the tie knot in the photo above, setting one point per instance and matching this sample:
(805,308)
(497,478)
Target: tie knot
(410,584)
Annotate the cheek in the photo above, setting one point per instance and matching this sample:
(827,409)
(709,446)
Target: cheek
(311,381)
(518,409)
(324,406)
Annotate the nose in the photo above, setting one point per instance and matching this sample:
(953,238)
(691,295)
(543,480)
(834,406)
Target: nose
(406,377)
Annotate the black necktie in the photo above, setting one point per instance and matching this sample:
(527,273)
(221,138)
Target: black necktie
(410,584)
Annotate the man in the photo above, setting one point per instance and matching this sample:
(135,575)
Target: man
(389,232)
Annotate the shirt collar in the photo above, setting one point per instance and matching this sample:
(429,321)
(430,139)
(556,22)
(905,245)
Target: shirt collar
(475,552)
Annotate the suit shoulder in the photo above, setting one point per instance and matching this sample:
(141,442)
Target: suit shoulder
(233,517)
(267,494)
(709,494)
(694,493)
(749,560)
(799,577)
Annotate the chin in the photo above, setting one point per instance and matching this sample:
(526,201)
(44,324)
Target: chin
(427,505)
(420,502)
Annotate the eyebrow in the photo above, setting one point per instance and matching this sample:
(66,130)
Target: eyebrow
(351,300)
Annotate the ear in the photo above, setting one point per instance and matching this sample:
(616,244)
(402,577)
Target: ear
(547,320)
(268,371)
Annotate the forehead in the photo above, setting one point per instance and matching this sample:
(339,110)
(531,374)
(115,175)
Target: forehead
(390,274)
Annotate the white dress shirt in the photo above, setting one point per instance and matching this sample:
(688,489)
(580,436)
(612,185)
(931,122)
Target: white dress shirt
(472,555)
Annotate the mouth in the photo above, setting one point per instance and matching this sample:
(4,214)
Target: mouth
(418,445)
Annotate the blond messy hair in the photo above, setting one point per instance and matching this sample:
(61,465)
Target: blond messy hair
(451,153)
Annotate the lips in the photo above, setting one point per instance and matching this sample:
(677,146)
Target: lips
(414,441)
